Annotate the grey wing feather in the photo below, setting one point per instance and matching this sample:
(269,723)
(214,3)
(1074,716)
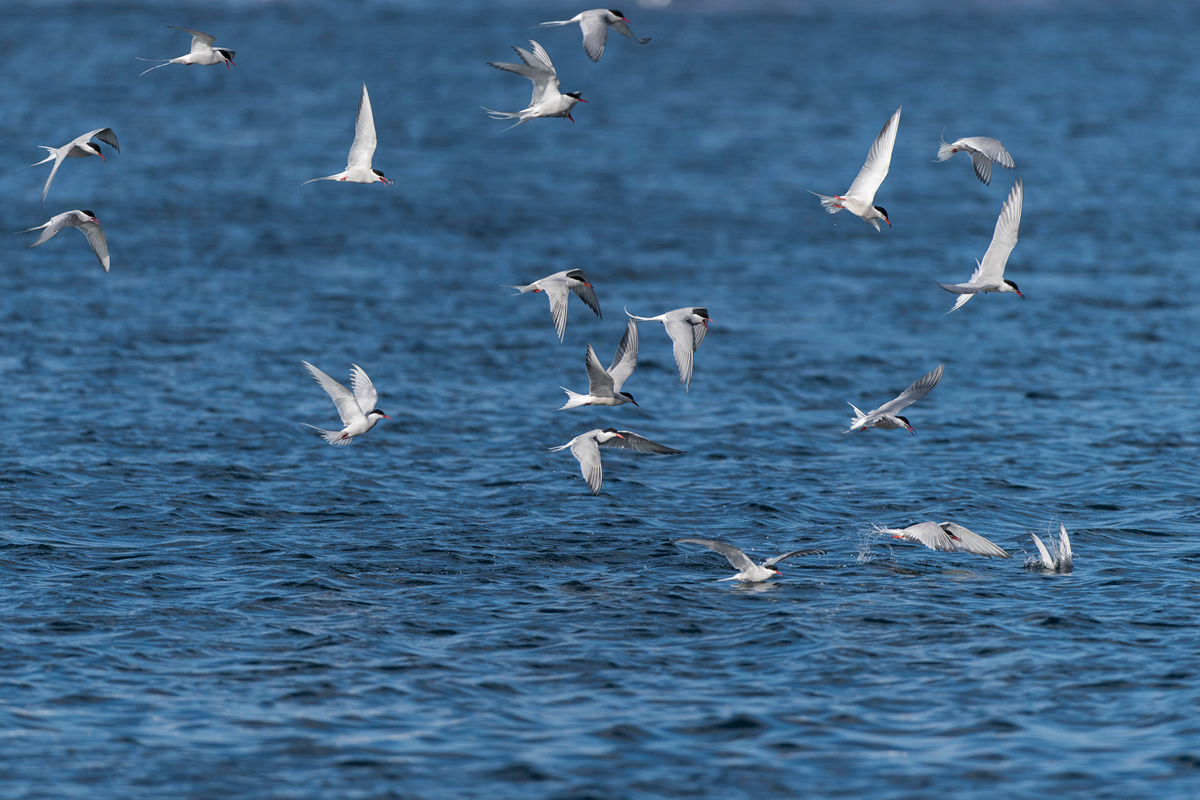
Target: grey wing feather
(595,34)
(739,560)
(1064,544)
(201,42)
(620,27)
(48,231)
(919,388)
(991,268)
(625,360)
(347,407)
(363,148)
(1047,561)
(879,160)
(640,444)
(556,293)
(983,167)
(929,534)
(683,339)
(600,383)
(107,136)
(96,238)
(588,295)
(587,453)
(794,553)
(971,542)
(364,391)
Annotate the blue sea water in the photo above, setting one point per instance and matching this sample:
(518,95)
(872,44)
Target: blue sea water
(203,600)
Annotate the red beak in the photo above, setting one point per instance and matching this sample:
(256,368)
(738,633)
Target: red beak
(102,158)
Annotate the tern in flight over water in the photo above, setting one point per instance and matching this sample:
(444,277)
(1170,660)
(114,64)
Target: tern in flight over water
(984,152)
(88,225)
(79,147)
(859,199)
(358,163)
(686,327)
(885,416)
(947,537)
(357,410)
(202,52)
(604,386)
(749,571)
(989,273)
(547,100)
(1062,560)
(595,25)
(586,449)
(555,286)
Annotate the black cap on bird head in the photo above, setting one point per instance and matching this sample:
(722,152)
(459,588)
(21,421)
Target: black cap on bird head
(701,312)
(883,211)
(88,212)
(905,421)
(1014,288)
(627,394)
(616,13)
(576,95)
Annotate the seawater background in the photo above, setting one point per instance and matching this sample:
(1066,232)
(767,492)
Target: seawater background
(203,600)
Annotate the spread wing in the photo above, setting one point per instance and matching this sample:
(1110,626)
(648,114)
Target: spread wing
(685,337)
(1047,561)
(984,151)
(364,135)
(921,387)
(929,534)
(347,407)
(640,444)
(556,293)
(587,453)
(105,135)
(201,42)
(969,542)
(364,391)
(588,295)
(600,383)
(49,229)
(777,559)
(1064,546)
(737,559)
(990,271)
(537,68)
(879,160)
(96,238)
(595,34)
(625,361)
(622,28)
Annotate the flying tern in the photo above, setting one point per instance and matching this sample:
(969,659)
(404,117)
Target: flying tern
(686,327)
(586,449)
(860,197)
(357,410)
(984,152)
(947,537)
(885,416)
(595,25)
(79,147)
(358,163)
(989,273)
(1062,560)
(604,386)
(749,572)
(202,52)
(88,225)
(555,286)
(547,100)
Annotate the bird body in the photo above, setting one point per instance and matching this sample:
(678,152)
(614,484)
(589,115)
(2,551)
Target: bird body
(586,449)
(88,225)
(859,199)
(79,147)
(989,273)
(357,409)
(547,99)
(556,287)
(984,152)
(604,387)
(749,572)
(202,52)
(886,415)
(362,150)
(947,537)
(595,24)
(686,327)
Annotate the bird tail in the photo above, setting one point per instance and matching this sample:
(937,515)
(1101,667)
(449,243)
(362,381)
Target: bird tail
(945,150)
(859,419)
(554,23)
(164,61)
(523,289)
(44,160)
(494,114)
(332,437)
(574,400)
(830,204)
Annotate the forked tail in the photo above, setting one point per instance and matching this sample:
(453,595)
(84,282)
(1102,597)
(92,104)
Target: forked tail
(332,437)
(574,400)
(945,150)
(830,204)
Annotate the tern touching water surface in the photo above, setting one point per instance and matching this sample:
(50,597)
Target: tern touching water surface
(885,416)
(604,386)
(88,225)
(859,199)
(984,152)
(357,410)
(686,327)
(749,571)
(595,25)
(947,537)
(1062,560)
(358,163)
(547,100)
(556,287)
(79,147)
(989,273)
(202,52)
(586,449)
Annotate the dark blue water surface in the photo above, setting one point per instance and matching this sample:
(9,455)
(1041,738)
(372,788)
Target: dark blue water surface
(201,599)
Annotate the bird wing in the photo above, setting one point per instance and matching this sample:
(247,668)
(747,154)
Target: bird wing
(588,295)
(105,135)
(640,444)
(347,407)
(970,542)
(537,68)
(201,42)
(1047,561)
(776,559)
(48,229)
(985,147)
(556,292)
(621,27)
(737,559)
(1064,546)
(879,159)
(364,134)
(685,340)
(991,268)
(96,238)
(595,34)
(625,360)
(600,383)
(929,534)
(919,388)
(364,391)
(587,453)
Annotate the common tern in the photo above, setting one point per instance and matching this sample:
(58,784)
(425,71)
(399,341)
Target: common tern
(202,52)
(604,386)
(79,147)
(885,416)
(555,286)
(595,25)
(984,152)
(547,100)
(947,537)
(686,327)
(357,410)
(358,163)
(749,571)
(860,197)
(586,449)
(1062,560)
(989,273)
(88,225)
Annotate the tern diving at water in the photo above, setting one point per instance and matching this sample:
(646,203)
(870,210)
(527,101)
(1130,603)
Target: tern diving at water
(885,416)
(357,409)
(604,385)
(586,449)
(948,537)
(595,24)
(1061,560)
(989,273)
(859,199)
(749,572)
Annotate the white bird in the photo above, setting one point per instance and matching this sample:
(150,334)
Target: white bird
(686,327)
(604,386)
(586,449)
(555,286)
(885,416)
(749,571)
(989,273)
(358,163)
(202,52)
(860,197)
(947,537)
(357,410)
(984,152)
(547,100)
(1063,559)
(79,147)
(88,225)
(595,25)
